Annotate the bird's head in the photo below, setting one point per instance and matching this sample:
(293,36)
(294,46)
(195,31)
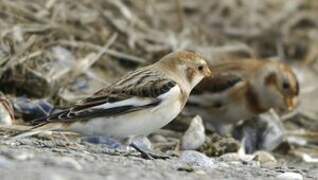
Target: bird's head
(283,86)
(186,67)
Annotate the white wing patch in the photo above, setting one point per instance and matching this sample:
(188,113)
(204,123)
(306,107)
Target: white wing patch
(138,101)
(134,101)
(173,92)
(172,95)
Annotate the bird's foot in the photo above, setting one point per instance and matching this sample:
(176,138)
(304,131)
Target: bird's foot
(148,154)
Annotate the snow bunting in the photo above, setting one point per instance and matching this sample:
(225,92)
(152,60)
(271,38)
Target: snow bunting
(242,89)
(136,105)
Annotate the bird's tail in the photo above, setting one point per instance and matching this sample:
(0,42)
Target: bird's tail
(40,125)
(35,130)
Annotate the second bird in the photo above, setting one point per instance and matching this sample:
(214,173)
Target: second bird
(241,89)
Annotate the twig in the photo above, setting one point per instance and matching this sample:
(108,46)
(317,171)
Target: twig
(179,15)
(308,134)
(106,51)
(83,66)
(15,59)
(86,63)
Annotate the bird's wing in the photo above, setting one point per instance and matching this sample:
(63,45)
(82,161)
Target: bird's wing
(134,92)
(229,81)
(228,75)
(219,83)
(211,92)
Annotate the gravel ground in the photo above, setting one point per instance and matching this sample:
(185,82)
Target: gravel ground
(42,159)
(37,34)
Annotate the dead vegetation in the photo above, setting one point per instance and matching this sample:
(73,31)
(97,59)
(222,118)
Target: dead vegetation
(64,50)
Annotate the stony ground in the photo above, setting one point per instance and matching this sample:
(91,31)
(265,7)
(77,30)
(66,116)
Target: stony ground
(109,38)
(44,159)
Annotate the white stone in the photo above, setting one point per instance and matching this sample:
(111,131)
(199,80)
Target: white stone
(196,159)
(264,157)
(194,137)
(70,162)
(290,176)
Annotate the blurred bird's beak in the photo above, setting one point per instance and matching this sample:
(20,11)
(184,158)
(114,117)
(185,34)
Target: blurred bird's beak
(207,72)
(291,102)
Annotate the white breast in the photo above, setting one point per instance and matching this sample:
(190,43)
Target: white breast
(135,123)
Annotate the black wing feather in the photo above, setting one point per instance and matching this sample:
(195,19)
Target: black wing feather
(218,83)
(84,110)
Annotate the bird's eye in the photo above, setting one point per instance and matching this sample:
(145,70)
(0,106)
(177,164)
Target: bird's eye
(286,85)
(200,68)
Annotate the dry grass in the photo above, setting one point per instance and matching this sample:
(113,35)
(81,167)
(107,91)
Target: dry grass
(65,49)
(53,39)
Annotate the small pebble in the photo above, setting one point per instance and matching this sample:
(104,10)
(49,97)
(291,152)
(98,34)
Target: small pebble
(273,135)
(18,33)
(196,159)
(54,176)
(64,56)
(66,162)
(290,176)
(4,162)
(21,156)
(72,163)
(308,158)
(194,137)
(29,109)
(238,156)
(143,143)
(265,157)
(228,157)
(109,142)
(265,132)
(6,111)
(200,172)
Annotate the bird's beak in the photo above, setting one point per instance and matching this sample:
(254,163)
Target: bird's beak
(207,72)
(291,102)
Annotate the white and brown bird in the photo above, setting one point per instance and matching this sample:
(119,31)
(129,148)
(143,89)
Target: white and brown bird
(241,89)
(138,104)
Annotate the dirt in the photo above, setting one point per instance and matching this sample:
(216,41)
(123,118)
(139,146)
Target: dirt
(35,158)
(62,51)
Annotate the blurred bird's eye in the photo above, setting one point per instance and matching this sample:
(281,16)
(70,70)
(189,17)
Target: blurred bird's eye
(286,85)
(200,68)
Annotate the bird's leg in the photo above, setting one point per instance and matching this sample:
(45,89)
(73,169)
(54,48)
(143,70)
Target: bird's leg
(178,146)
(135,143)
(143,153)
(146,152)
